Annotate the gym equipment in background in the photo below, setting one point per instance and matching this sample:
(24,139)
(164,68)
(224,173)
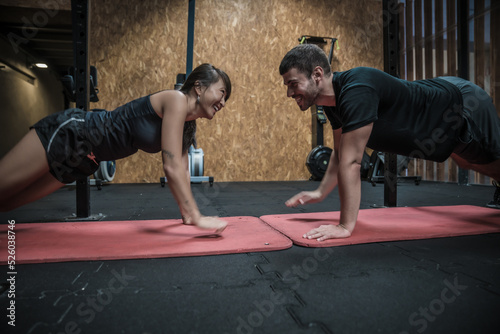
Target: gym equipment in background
(105,173)
(195,162)
(80,20)
(317,161)
(107,169)
(69,85)
(372,168)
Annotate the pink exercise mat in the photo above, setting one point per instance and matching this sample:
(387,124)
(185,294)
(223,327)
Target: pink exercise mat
(391,224)
(112,240)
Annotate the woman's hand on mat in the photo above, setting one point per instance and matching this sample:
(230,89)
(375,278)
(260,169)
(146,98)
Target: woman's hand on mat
(211,223)
(305,197)
(325,232)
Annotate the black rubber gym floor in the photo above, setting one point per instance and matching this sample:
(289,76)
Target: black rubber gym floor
(447,285)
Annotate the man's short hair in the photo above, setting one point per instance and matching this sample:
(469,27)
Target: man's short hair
(305,58)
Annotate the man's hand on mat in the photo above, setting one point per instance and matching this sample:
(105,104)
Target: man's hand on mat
(211,223)
(305,197)
(325,232)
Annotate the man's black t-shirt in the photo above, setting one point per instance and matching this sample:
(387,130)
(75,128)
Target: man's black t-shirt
(421,119)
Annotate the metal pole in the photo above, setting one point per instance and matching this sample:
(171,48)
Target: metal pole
(463,61)
(190,37)
(316,127)
(80,12)
(391,66)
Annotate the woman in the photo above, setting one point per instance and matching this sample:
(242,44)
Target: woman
(69,145)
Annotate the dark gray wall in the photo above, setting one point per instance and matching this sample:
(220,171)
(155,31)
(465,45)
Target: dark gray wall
(22,103)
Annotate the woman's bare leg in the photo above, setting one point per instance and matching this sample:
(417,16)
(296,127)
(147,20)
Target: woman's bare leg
(22,166)
(42,187)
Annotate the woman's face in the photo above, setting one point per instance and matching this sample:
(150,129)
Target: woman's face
(213,99)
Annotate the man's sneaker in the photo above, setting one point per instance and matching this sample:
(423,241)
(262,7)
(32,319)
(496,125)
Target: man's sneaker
(496,198)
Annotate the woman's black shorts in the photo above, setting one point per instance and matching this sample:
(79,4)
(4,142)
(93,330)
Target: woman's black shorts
(69,153)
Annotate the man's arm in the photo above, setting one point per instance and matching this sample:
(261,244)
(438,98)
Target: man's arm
(352,146)
(330,179)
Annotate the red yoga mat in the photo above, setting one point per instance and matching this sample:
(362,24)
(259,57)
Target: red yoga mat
(391,224)
(111,240)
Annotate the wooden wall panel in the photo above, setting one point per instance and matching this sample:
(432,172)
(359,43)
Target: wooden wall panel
(261,134)
(410,43)
(436,54)
(418,164)
(419,42)
(138,48)
(402,41)
(495,55)
(451,19)
(479,44)
(428,166)
(439,29)
(439,65)
(425,40)
(479,60)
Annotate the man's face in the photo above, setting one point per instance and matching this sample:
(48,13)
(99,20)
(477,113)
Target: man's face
(301,88)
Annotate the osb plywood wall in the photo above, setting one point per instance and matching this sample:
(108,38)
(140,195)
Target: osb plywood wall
(261,135)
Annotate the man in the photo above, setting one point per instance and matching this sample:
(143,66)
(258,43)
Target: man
(428,119)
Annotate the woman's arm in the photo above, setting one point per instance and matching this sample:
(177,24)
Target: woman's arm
(174,108)
(185,164)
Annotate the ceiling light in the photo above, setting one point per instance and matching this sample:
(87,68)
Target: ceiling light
(41,65)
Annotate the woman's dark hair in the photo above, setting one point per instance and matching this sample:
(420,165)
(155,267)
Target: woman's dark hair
(203,76)
(305,58)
